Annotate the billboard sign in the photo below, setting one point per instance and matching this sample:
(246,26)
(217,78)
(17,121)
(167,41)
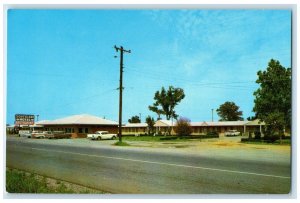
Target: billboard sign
(24,119)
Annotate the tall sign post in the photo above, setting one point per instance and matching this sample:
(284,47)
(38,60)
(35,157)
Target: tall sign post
(24,119)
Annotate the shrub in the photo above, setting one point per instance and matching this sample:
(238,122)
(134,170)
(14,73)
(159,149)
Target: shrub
(271,139)
(201,136)
(245,139)
(169,138)
(212,134)
(183,127)
(121,144)
(257,135)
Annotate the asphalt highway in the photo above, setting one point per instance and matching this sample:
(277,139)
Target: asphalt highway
(123,170)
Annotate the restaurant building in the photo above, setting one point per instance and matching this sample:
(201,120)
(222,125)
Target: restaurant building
(80,125)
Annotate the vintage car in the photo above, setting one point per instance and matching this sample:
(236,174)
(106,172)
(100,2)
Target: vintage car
(38,134)
(101,135)
(57,135)
(25,133)
(231,133)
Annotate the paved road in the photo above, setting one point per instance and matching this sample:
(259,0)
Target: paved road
(125,170)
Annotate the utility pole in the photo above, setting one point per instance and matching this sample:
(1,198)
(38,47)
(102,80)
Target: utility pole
(122,50)
(212,115)
(141,117)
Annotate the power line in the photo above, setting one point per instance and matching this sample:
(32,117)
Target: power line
(81,100)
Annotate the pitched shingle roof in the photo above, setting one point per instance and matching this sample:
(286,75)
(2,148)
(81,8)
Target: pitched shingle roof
(83,119)
(255,123)
(163,123)
(227,123)
(141,125)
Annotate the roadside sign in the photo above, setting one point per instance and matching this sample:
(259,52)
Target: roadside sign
(24,119)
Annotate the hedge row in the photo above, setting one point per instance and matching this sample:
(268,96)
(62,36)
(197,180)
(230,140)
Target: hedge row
(265,139)
(169,138)
(233,135)
(199,136)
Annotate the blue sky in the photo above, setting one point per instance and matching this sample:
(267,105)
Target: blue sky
(61,62)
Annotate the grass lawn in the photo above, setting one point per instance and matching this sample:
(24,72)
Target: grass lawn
(21,182)
(157,138)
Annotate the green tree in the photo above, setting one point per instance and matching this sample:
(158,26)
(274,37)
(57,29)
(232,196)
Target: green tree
(183,127)
(229,111)
(150,121)
(272,102)
(134,119)
(252,118)
(165,102)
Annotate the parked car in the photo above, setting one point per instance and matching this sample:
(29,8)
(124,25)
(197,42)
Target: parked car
(101,135)
(25,133)
(57,135)
(38,134)
(231,133)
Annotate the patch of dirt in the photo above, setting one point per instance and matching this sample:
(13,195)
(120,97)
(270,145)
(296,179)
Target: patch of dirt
(181,146)
(259,148)
(225,144)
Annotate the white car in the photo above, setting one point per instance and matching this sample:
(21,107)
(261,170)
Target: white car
(102,135)
(25,133)
(232,133)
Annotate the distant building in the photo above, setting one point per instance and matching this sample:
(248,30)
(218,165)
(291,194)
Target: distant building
(198,128)
(134,128)
(164,126)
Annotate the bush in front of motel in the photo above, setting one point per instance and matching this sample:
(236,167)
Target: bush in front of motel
(257,135)
(169,138)
(183,127)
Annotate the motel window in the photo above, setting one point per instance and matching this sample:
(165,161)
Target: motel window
(68,130)
(72,130)
(86,130)
(79,130)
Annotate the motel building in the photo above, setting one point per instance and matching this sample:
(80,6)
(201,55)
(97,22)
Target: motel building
(201,128)
(80,125)
(135,129)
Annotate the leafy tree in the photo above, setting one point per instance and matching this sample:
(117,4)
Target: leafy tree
(183,127)
(165,102)
(150,121)
(229,111)
(134,119)
(273,97)
(274,121)
(252,118)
